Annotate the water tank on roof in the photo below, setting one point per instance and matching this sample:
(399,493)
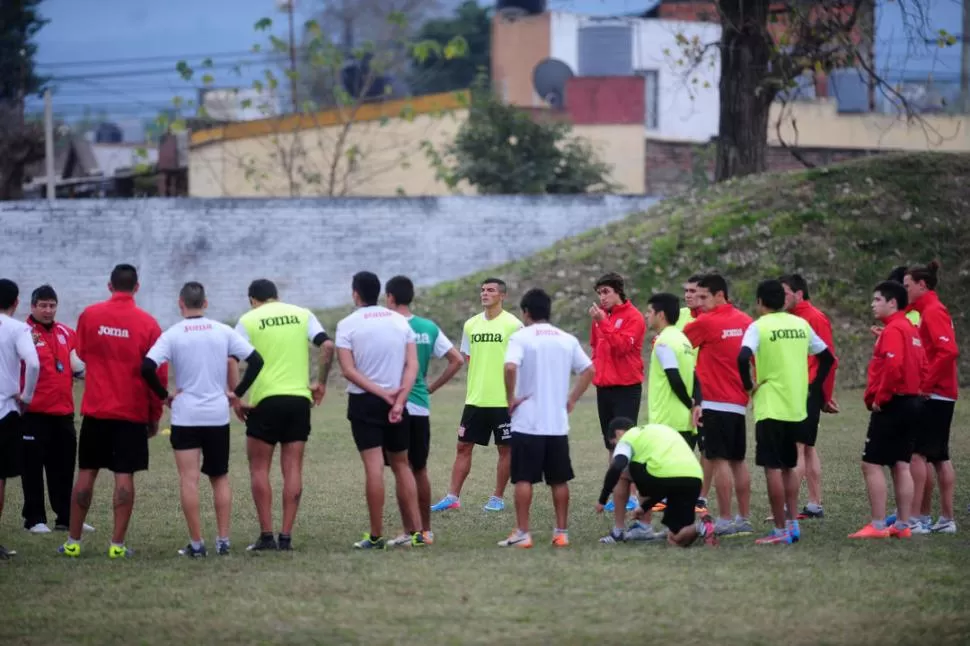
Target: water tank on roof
(108,133)
(512,9)
(606,49)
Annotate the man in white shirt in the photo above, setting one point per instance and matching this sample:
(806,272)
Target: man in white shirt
(378,356)
(199,351)
(16,347)
(539,362)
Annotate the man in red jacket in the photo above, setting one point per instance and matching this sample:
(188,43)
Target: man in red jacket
(616,341)
(798,302)
(50,442)
(939,390)
(892,390)
(120,412)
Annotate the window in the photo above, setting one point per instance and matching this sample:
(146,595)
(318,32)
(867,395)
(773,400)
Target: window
(651,98)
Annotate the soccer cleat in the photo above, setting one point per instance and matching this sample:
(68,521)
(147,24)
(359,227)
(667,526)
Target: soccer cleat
(700,507)
(5,553)
(793,528)
(632,503)
(807,514)
(615,536)
(725,528)
(660,506)
(517,539)
(120,552)
(191,552)
(609,506)
(905,532)
(417,539)
(494,504)
(707,531)
(285,543)
(743,527)
(402,540)
(39,528)
(775,538)
(920,528)
(428,537)
(560,540)
(222,548)
(870,531)
(891,519)
(446,503)
(265,543)
(638,531)
(944,527)
(370,544)
(72,550)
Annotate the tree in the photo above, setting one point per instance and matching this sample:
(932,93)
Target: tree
(434,74)
(502,150)
(20,143)
(767,45)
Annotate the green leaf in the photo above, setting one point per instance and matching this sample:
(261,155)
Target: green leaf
(258,85)
(178,126)
(397,19)
(407,113)
(141,152)
(263,24)
(312,26)
(207,63)
(177,101)
(256,48)
(245,104)
(279,44)
(184,70)
(208,79)
(457,47)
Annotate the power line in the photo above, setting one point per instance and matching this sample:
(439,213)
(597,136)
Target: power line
(148,59)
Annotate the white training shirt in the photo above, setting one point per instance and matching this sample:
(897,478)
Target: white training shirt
(546,358)
(16,346)
(198,350)
(378,339)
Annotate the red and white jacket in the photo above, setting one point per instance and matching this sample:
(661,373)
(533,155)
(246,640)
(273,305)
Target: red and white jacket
(898,362)
(940,343)
(55,388)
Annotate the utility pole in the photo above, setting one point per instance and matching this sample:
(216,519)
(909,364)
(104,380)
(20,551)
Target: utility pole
(289,12)
(965,59)
(49,144)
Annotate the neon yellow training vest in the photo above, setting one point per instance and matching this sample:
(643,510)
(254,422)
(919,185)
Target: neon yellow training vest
(663,406)
(782,366)
(663,451)
(280,333)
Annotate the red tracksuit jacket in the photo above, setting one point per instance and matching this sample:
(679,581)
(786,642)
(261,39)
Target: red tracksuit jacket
(940,344)
(898,362)
(823,328)
(113,338)
(55,390)
(617,347)
(717,335)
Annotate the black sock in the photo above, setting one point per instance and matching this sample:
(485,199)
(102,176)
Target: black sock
(284,537)
(267,535)
(374,539)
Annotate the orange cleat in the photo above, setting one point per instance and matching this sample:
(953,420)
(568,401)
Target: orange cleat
(658,507)
(560,540)
(905,532)
(870,531)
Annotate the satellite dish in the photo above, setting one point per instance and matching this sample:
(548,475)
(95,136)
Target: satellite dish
(511,10)
(549,80)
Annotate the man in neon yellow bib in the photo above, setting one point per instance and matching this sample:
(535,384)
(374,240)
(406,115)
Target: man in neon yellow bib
(780,344)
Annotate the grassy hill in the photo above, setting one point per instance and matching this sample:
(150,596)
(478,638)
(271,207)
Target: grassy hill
(843,227)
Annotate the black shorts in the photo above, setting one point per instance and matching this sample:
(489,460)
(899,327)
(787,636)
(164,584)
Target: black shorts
(212,440)
(419,442)
(538,457)
(114,444)
(690,437)
(809,428)
(775,444)
(891,432)
(370,427)
(280,418)
(480,424)
(932,440)
(681,495)
(617,401)
(11,446)
(724,435)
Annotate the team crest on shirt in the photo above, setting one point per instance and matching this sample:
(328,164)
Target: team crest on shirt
(38,339)
(618,323)
(61,339)
(461,430)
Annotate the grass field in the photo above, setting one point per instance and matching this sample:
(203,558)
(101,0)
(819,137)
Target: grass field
(464,589)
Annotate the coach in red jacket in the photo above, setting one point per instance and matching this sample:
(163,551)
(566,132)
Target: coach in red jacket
(50,441)
(120,412)
(940,391)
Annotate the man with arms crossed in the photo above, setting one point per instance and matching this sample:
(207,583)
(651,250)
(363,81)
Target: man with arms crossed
(280,402)
(377,354)
(197,349)
(484,340)
(16,349)
(780,344)
(119,414)
(430,342)
(539,362)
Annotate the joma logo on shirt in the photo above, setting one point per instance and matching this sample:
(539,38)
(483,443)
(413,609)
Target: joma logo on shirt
(487,337)
(119,332)
(276,321)
(733,333)
(788,334)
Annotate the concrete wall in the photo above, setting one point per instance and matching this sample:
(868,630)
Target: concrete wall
(311,248)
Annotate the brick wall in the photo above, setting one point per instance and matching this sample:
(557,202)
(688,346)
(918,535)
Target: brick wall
(675,167)
(311,248)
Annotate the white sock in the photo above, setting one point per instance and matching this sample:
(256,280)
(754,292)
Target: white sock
(73,541)
(113,544)
(222,540)
(558,531)
(197,545)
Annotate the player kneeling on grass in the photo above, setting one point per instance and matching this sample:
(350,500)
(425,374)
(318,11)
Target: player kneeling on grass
(539,361)
(661,465)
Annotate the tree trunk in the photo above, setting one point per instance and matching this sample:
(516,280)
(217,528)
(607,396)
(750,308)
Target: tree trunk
(745,99)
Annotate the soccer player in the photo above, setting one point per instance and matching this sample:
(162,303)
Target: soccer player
(616,340)
(539,362)
(119,414)
(50,440)
(197,349)
(662,466)
(16,348)
(780,344)
(279,402)
(693,307)
(898,275)
(798,302)
(378,357)
(717,336)
(892,389)
(484,340)
(430,342)
(940,391)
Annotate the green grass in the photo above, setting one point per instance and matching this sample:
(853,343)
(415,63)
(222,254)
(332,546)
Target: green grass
(464,589)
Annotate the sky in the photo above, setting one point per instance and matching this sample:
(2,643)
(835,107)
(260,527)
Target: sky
(94,38)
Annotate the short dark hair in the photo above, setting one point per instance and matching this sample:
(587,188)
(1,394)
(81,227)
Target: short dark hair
(796,283)
(368,287)
(898,273)
(614,281)
(401,288)
(619,424)
(696,279)
(8,293)
(193,295)
(262,290)
(893,291)
(714,283)
(537,303)
(124,278)
(771,293)
(928,273)
(491,280)
(43,293)
(668,304)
